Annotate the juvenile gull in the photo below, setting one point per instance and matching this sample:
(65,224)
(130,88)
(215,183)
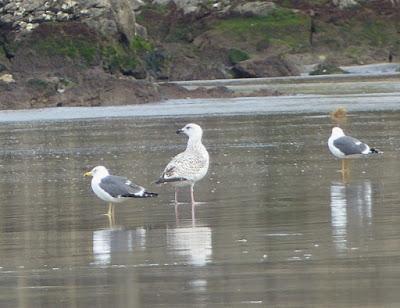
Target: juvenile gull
(344,147)
(190,166)
(114,189)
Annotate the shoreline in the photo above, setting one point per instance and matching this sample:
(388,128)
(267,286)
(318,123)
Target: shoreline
(189,108)
(380,83)
(304,85)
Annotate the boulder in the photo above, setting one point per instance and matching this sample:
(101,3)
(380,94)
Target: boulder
(137,4)
(194,6)
(344,4)
(256,8)
(7,78)
(111,17)
(272,66)
(33,5)
(124,18)
(327,68)
(188,6)
(141,31)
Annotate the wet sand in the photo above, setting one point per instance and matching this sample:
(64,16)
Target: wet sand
(276,227)
(195,108)
(362,82)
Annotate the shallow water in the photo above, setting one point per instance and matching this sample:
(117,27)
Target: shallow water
(277,226)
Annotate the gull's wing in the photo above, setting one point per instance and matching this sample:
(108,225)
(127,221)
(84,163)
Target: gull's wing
(182,168)
(118,186)
(351,146)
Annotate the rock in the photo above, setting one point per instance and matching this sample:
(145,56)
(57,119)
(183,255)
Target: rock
(31,26)
(67,5)
(327,68)
(157,64)
(47,16)
(12,6)
(124,17)
(7,18)
(273,66)
(100,4)
(141,31)
(188,6)
(137,73)
(7,78)
(257,8)
(111,17)
(136,4)
(93,14)
(61,16)
(344,4)
(33,5)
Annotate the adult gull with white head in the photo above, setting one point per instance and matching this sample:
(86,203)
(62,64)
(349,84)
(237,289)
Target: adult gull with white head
(344,147)
(115,189)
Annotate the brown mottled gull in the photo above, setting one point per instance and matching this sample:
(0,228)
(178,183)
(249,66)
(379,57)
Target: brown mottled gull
(190,166)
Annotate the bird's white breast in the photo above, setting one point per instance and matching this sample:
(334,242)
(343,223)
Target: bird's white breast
(334,150)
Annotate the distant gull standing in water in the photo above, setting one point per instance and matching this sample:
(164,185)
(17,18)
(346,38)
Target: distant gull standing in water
(190,166)
(114,189)
(344,147)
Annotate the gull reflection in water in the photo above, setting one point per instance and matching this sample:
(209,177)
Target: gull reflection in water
(351,213)
(108,241)
(192,244)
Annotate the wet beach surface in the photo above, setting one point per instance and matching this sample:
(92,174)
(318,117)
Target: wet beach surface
(277,225)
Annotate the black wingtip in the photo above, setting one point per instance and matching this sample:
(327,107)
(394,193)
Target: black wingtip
(149,194)
(375,151)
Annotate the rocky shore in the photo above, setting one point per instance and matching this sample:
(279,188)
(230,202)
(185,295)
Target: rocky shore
(115,52)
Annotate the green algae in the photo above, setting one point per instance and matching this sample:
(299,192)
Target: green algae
(282,27)
(73,48)
(236,55)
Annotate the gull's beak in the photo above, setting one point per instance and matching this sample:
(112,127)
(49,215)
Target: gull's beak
(89,173)
(179,131)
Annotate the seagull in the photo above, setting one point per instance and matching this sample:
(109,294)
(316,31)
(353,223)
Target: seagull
(190,166)
(344,147)
(114,189)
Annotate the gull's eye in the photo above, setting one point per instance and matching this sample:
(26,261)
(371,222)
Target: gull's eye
(188,127)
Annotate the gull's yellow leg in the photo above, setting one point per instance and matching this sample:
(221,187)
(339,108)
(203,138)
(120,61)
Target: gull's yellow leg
(112,215)
(345,176)
(111,221)
(345,170)
(176,195)
(110,209)
(176,213)
(345,166)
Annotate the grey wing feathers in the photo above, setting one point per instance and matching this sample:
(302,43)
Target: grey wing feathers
(349,145)
(118,186)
